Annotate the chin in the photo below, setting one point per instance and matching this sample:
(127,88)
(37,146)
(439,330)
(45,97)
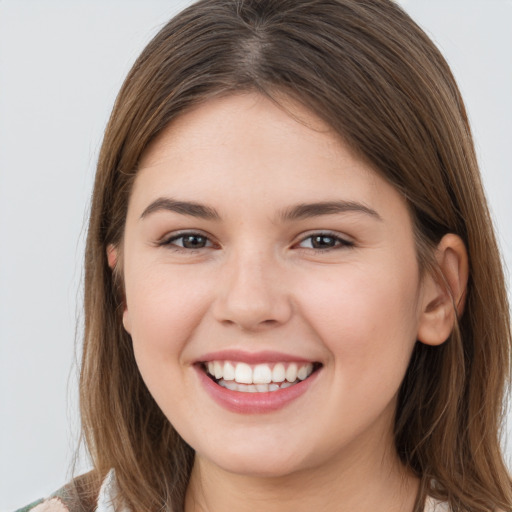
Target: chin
(253,461)
(260,468)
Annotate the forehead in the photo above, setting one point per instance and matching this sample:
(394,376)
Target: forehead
(246,148)
(248,118)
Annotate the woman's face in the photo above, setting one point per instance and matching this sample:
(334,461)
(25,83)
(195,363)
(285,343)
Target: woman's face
(259,249)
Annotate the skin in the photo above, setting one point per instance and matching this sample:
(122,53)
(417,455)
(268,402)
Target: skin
(257,284)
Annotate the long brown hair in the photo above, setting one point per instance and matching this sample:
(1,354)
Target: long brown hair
(372,74)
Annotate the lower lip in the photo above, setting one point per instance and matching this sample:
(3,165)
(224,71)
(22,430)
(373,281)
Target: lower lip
(254,403)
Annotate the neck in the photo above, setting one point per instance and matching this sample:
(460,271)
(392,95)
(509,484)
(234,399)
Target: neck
(353,482)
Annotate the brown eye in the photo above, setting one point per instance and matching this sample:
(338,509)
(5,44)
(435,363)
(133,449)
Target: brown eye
(324,241)
(189,241)
(194,241)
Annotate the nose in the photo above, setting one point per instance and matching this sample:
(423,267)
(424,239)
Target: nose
(252,294)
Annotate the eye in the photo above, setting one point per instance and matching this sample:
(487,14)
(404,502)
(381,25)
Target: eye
(324,241)
(188,241)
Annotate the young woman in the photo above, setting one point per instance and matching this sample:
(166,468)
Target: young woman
(293,295)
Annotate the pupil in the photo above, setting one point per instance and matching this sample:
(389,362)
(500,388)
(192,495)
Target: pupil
(322,241)
(194,241)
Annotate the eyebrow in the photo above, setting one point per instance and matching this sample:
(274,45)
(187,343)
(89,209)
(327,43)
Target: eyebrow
(182,207)
(296,212)
(306,210)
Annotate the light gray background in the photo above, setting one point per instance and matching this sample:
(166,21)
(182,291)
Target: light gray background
(61,64)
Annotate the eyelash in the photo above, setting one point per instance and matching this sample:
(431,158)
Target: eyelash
(340,243)
(168,242)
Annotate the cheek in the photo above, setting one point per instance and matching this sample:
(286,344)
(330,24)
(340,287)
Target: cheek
(367,321)
(164,310)
(163,307)
(366,317)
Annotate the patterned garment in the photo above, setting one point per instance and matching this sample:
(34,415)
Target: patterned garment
(64,500)
(61,501)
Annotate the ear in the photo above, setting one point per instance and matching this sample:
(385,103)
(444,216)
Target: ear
(112,258)
(444,294)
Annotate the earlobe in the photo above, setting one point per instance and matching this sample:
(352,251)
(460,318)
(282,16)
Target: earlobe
(444,294)
(126,320)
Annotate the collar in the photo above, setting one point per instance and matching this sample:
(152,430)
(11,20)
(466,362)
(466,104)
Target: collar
(108,494)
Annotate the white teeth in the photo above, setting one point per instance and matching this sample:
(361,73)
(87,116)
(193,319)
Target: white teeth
(243,373)
(218,367)
(291,373)
(253,388)
(304,371)
(262,374)
(258,378)
(230,384)
(229,371)
(278,373)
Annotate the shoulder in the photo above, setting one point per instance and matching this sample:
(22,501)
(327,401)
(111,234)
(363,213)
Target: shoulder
(83,494)
(48,505)
(59,501)
(56,502)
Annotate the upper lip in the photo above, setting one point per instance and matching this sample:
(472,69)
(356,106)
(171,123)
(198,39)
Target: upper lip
(265,356)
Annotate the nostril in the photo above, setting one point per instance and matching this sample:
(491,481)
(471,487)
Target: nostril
(248,324)
(251,301)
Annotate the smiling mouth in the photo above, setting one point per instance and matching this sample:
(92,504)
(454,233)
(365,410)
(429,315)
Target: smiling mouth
(258,378)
